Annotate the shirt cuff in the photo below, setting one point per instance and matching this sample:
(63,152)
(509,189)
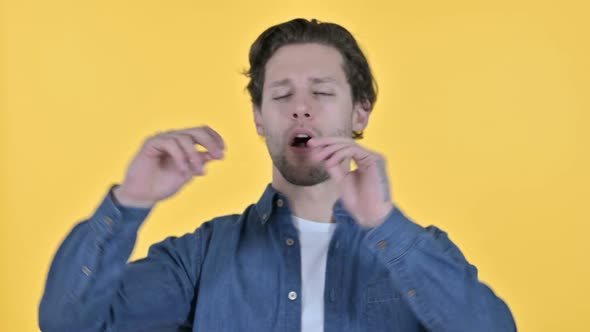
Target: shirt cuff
(111,217)
(393,237)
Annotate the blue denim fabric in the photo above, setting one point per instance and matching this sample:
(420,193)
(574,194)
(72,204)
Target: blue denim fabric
(239,273)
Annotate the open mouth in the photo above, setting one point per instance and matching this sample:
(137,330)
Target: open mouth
(300,141)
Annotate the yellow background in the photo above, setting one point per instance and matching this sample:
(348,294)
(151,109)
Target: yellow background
(482,114)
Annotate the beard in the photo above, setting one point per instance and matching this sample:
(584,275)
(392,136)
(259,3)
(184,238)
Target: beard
(301,171)
(300,175)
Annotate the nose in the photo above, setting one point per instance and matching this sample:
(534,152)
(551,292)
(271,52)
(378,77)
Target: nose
(302,110)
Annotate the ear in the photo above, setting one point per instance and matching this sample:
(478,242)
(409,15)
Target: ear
(360,115)
(258,120)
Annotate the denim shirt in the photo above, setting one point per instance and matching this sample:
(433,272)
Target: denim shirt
(243,273)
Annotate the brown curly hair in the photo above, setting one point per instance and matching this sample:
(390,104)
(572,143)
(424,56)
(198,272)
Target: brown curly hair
(358,73)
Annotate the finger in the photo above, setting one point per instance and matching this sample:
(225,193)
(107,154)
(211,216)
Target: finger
(215,135)
(205,157)
(197,159)
(324,152)
(327,140)
(203,138)
(207,139)
(336,173)
(167,145)
(355,152)
(194,158)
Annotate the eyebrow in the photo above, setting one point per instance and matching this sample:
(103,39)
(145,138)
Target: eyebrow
(314,80)
(327,79)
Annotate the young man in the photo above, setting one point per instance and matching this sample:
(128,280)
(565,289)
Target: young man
(324,249)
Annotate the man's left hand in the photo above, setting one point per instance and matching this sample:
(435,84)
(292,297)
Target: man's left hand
(365,192)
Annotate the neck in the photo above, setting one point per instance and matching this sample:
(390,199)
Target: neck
(310,202)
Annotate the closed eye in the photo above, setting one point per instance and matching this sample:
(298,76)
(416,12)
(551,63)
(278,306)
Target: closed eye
(282,97)
(323,93)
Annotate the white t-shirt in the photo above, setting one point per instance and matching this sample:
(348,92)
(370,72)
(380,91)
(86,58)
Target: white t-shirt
(314,239)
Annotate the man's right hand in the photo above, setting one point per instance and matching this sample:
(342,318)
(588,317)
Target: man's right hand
(165,163)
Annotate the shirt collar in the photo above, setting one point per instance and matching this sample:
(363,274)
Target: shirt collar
(267,202)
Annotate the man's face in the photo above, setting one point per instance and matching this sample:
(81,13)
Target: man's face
(305,93)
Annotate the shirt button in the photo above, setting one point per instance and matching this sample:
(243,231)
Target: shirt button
(280,202)
(108,221)
(382,244)
(290,242)
(292,296)
(86,270)
(332,295)
(412,293)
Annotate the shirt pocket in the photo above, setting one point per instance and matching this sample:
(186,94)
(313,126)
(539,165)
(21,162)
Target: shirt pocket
(380,292)
(385,309)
